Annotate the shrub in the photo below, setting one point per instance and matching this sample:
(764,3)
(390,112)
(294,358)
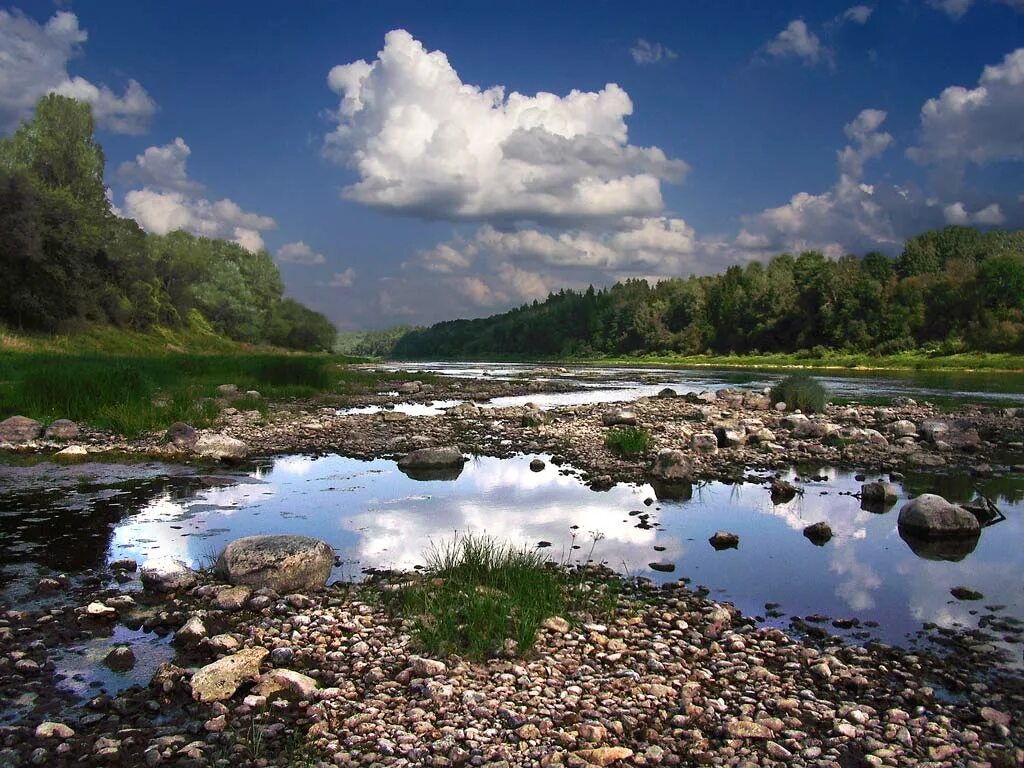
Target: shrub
(628,441)
(800,391)
(477,593)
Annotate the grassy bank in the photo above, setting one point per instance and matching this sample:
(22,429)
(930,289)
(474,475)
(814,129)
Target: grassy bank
(918,360)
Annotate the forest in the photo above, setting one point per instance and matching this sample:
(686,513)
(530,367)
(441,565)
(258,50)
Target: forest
(68,261)
(957,289)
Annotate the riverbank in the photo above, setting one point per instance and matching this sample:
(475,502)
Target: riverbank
(661,675)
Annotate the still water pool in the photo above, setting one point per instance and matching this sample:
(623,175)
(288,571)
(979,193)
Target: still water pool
(71,518)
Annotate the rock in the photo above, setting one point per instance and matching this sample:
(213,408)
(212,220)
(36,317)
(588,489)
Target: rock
(282,563)
(422,667)
(724,540)
(792,421)
(604,755)
(221,448)
(182,435)
(556,624)
(120,659)
(233,598)
(903,428)
(879,493)
(191,632)
(410,387)
(934,430)
(818,533)
(219,680)
(667,392)
(930,515)
(61,429)
(988,714)
(537,465)
(729,437)
(223,643)
(673,466)
(72,452)
(662,567)
(165,574)
(98,610)
(966,593)
(705,442)
(287,682)
(744,729)
(227,390)
(430,458)
(950,548)
(620,417)
(782,491)
(19,429)
(52,730)
(124,564)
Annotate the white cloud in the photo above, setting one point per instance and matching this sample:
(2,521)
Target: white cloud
(161,167)
(957,213)
(796,40)
(646,52)
(34,60)
(952,8)
(299,253)
(168,201)
(343,279)
(858,14)
(479,292)
(978,125)
(426,144)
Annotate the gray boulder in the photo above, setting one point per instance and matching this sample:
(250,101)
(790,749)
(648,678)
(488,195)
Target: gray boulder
(165,574)
(61,429)
(879,493)
(730,437)
(903,428)
(704,442)
(931,516)
(221,448)
(281,563)
(182,435)
(19,429)
(672,465)
(934,430)
(432,458)
(619,417)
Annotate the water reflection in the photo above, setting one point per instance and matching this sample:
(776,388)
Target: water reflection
(376,516)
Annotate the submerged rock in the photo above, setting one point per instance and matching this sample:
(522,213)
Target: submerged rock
(662,567)
(724,540)
(931,516)
(782,491)
(120,659)
(818,533)
(537,465)
(282,563)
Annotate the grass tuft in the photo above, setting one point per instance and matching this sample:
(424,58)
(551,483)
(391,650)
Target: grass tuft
(800,391)
(628,441)
(476,593)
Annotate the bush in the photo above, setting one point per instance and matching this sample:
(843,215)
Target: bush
(477,593)
(628,441)
(800,391)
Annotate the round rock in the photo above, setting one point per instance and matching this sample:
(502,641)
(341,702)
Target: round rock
(282,563)
(931,516)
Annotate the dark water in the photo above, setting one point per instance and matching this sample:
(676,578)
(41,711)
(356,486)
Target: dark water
(609,384)
(71,518)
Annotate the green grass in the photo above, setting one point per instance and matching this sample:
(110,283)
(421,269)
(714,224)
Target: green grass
(132,394)
(628,441)
(476,592)
(800,391)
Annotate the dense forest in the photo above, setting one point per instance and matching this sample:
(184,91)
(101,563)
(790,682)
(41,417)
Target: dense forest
(957,289)
(68,260)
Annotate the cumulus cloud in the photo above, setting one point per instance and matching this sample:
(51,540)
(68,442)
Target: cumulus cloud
(798,41)
(978,125)
(427,144)
(35,62)
(343,279)
(169,200)
(646,52)
(957,213)
(952,8)
(858,14)
(299,253)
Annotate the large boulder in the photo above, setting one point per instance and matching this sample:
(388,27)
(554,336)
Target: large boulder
(165,574)
(430,458)
(19,429)
(931,516)
(219,681)
(281,563)
(673,466)
(624,417)
(182,435)
(61,429)
(221,447)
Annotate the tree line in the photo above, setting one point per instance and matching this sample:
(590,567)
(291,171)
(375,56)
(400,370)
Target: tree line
(957,289)
(68,260)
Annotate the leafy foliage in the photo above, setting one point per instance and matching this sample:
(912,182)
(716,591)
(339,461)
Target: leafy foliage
(957,287)
(800,391)
(68,260)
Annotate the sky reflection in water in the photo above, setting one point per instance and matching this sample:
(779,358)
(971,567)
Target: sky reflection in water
(377,517)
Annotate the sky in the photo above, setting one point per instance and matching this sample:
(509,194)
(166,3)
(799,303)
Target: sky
(410,162)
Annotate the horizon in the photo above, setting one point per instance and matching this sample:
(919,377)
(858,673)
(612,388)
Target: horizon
(405,166)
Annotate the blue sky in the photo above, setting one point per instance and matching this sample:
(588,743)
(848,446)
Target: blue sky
(701,134)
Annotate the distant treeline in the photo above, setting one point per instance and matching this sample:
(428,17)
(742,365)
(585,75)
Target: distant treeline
(371,343)
(957,289)
(67,259)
